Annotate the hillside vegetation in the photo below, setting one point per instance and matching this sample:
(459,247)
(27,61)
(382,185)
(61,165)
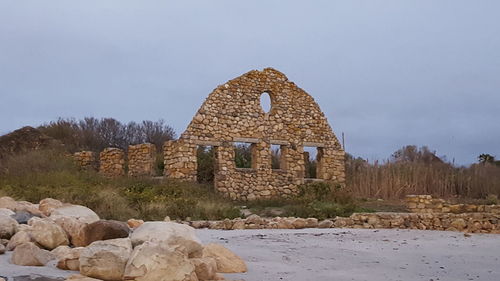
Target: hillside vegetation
(34,164)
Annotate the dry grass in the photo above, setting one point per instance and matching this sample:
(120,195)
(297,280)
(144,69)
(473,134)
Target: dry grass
(392,180)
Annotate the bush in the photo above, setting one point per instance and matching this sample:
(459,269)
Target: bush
(41,174)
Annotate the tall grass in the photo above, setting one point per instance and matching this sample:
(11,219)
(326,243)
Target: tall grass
(390,180)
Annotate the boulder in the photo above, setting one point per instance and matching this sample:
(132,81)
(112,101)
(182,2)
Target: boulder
(47,205)
(47,233)
(6,212)
(81,213)
(159,262)
(104,230)
(2,249)
(311,222)
(69,259)
(325,224)
(28,254)
(8,203)
(254,219)
(162,231)
(8,227)
(61,251)
(106,259)
(28,207)
(299,223)
(19,238)
(205,268)
(22,217)
(227,261)
(74,228)
(133,223)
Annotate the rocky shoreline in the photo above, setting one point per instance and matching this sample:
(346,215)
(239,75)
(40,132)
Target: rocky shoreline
(73,237)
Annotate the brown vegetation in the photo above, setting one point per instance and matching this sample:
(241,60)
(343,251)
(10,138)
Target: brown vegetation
(419,171)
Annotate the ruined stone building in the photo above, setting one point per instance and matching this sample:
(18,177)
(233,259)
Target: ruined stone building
(232,114)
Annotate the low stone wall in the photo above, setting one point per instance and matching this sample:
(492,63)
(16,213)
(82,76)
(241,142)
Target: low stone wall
(467,222)
(86,159)
(112,162)
(427,204)
(141,159)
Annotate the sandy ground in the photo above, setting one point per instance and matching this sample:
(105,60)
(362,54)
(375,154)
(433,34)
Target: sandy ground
(359,254)
(345,254)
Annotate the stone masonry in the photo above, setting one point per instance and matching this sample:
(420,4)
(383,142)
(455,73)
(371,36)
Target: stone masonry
(85,159)
(112,162)
(141,159)
(427,204)
(232,113)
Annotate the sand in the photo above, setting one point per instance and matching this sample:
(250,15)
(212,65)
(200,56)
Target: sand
(359,254)
(345,254)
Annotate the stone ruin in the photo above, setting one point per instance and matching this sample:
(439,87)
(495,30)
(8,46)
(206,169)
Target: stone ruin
(112,162)
(141,159)
(85,159)
(232,113)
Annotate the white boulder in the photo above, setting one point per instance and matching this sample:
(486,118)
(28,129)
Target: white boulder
(159,262)
(47,233)
(105,259)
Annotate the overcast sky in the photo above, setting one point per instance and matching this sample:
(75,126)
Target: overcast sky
(386,73)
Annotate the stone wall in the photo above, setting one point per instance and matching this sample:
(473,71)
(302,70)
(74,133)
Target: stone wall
(427,204)
(86,159)
(232,113)
(141,159)
(467,222)
(112,162)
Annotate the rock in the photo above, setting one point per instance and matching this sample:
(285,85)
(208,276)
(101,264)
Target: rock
(8,203)
(61,251)
(458,224)
(299,223)
(24,227)
(227,261)
(13,205)
(81,213)
(167,218)
(311,222)
(153,261)
(162,231)
(8,227)
(106,259)
(283,223)
(205,268)
(47,233)
(19,238)
(70,259)
(239,224)
(2,249)
(325,224)
(6,212)
(22,217)
(133,223)
(255,219)
(28,207)
(191,248)
(28,254)
(4,242)
(47,205)
(74,228)
(104,230)
(79,277)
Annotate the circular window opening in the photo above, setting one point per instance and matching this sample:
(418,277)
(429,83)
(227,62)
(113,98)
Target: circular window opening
(265,102)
